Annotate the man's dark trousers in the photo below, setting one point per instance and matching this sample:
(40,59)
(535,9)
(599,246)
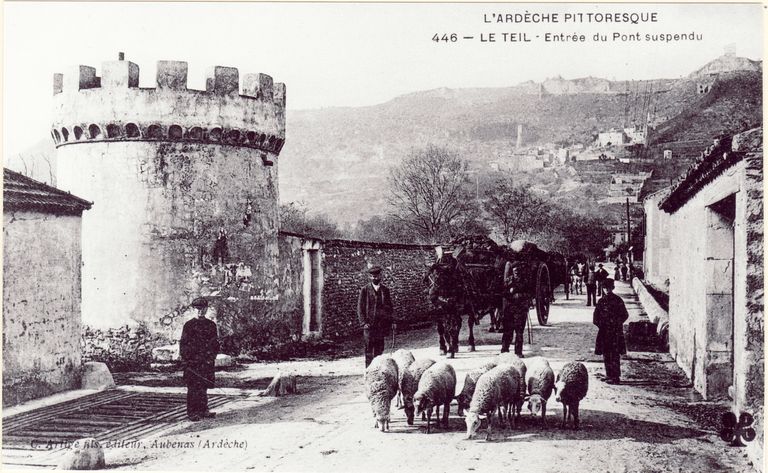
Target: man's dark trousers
(513,325)
(197,398)
(374,345)
(612,365)
(591,294)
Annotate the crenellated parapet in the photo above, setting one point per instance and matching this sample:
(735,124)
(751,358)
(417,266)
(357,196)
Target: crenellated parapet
(232,111)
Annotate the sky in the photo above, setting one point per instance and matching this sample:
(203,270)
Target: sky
(353,54)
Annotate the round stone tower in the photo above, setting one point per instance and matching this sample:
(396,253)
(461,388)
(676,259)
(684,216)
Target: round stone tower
(183,184)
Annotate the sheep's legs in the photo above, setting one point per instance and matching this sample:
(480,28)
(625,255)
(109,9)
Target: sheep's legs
(544,413)
(429,418)
(446,412)
(437,415)
(575,413)
(565,416)
(488,431)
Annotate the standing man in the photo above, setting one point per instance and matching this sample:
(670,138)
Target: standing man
(517,300)
(198,348)
(374,312)
(600,276)
(610,315)
(590,281)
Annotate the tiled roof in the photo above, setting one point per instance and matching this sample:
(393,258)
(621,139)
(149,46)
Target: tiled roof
(23,193)
(711,164)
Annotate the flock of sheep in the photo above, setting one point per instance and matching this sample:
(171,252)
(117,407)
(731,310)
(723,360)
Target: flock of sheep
(500,386)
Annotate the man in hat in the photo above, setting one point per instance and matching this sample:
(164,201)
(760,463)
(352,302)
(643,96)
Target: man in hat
(517,300)
(374,312)
(198,348)
(610,315)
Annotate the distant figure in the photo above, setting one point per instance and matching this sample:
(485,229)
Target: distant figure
(220,251)
(624,270)
(517,300)
(616,272)
(591,283)
(576,279)
(610,315)
(374,312)
(600,275)
(198,347)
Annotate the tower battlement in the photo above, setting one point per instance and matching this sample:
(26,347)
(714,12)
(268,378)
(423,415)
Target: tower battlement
(112,107)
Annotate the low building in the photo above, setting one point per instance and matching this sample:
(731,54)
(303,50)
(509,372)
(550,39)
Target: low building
(611,138)
(42,257)
(715,258)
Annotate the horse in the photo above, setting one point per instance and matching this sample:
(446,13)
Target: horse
(453,295)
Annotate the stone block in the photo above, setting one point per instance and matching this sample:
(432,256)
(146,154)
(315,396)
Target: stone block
(719,276)
(719,375)
(172,75)
(719,310)
(96,375)
(119,74)
(79,77)
(223,81)
(223,360)
(84,454)
(166,353)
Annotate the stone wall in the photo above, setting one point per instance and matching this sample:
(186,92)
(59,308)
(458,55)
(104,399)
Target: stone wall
(126,348)
(41,304)
(345,265)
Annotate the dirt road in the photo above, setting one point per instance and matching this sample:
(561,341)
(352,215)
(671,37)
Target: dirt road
(651,423)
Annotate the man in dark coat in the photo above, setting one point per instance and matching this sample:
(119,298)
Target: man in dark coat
(600,276)
(374,312)
(590,280)
(198,348)
(610,315)
(517,300)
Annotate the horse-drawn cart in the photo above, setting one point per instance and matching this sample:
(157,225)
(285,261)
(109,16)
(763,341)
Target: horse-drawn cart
(484,262)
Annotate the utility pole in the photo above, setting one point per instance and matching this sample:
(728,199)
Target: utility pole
(629,235)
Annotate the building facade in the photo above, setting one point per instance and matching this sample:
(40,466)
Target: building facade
(715,258)
(41,288)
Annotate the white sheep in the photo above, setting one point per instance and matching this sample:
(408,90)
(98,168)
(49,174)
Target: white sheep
(470,382)
(519,364)
(437,387)
(497,389)
(540,381)
(403,358)
(410,384)
(571,386)
(380,388)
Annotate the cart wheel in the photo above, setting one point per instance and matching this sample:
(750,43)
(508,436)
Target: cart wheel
(543,294)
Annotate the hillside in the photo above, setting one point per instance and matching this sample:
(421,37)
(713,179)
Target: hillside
(354,145)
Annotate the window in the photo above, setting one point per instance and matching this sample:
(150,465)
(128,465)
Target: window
(132,131)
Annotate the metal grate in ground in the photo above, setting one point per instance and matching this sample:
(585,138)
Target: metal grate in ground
(110,415)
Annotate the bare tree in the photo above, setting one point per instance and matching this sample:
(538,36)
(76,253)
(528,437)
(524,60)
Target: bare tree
(429,191)
(515,210)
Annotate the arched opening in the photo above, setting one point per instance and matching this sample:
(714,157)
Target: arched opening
(56,136)
(155,132)
(65,134)
(195,133)
(262,138)
(271,142)
(78,132)
(279,145)
(94,131)
(132,131)
(233,136)
(113,131)
(251,137)
(175,132)
(215,134)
